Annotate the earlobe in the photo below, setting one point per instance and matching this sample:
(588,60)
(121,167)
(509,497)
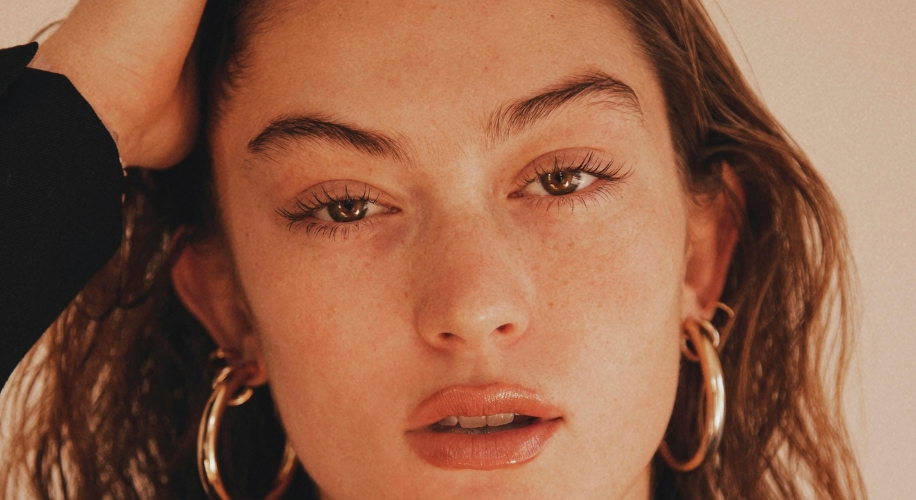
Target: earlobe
(714,230)
(204,280)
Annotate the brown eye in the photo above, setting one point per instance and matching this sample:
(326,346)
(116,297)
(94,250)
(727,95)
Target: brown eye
(560,182)
(348,210)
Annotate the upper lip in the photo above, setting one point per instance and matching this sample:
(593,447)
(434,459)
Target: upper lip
(473,401)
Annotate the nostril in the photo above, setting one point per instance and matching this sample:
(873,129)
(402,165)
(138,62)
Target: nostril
(507,328)
(446,335)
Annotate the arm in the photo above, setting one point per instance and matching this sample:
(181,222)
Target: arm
(127,76)
(60,200)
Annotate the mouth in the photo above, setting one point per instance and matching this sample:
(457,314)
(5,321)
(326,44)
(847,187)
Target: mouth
(483,424)
(482,427)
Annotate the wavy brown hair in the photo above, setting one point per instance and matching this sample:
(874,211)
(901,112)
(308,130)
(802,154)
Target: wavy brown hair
(116,387)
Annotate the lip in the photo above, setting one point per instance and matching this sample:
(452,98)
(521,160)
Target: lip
(482,451)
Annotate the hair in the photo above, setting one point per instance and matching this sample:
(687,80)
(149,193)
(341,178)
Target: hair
(117,385)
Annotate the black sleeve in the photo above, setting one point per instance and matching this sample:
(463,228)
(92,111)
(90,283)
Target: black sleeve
(60,200)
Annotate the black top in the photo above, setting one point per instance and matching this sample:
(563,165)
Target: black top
(60,200)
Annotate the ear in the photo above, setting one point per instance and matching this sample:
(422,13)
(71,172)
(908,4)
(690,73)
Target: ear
(203,276)
(714,227)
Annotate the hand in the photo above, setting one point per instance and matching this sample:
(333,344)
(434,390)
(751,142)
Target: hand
(130,60)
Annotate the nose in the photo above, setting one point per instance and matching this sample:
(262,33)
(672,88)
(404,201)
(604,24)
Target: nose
(475,290)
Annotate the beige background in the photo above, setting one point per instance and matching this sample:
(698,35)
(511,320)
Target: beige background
(841,75)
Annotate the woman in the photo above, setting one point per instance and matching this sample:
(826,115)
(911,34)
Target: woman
(472,251)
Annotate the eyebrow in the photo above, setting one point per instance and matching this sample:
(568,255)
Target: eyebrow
(507,120)
(515,117)
(285,129)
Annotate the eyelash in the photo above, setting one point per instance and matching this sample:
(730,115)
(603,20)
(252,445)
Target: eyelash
(608,172)
(299,217)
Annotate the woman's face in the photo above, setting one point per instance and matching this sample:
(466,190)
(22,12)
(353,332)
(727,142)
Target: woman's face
(441,209)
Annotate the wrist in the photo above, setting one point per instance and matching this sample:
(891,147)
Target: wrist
(43,63)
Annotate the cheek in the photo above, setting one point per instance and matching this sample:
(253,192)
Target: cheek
(612,326)
(342,357)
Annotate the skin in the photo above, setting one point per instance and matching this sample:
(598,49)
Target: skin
(474,278)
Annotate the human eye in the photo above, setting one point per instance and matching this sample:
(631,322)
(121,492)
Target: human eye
(570,177)
(334,210)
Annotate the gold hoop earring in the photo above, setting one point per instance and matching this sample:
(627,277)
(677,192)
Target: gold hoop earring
(226,385)
(713,416)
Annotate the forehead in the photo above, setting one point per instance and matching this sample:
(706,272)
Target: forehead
(386,63)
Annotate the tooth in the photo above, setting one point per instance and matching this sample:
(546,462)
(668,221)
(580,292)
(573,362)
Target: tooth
(449,421)
(500,419)
(472,422)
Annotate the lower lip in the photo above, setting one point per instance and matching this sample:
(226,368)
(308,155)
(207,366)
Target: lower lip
(496,450)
